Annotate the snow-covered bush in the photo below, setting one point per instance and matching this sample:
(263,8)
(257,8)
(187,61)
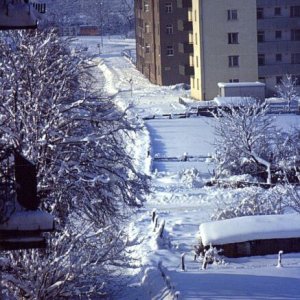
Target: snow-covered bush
(73,265)
(291,194)
(287,89)
(192,178)
(210,256)
(249,201)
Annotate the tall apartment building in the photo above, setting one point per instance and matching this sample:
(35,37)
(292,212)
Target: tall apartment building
(244,40)
(278,36)
(162,40)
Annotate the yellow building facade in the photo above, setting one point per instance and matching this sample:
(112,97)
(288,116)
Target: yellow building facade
(225,44)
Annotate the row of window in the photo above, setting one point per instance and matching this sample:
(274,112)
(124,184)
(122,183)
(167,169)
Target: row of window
(232,14)
(294,12)
(295,58)
(294,35)
(295,78)
(146,7)
(169,28)
(169,49)
(233,37)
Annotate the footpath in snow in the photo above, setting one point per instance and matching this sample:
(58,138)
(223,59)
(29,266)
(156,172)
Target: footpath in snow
(179,199)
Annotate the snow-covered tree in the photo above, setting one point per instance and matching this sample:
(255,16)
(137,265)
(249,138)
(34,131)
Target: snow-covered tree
(244,141)
(113,17)
(287,89)
(76,264)
(86,178)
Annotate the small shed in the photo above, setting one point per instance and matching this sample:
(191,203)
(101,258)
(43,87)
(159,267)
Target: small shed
(89,30)
(242,89)
(252,235)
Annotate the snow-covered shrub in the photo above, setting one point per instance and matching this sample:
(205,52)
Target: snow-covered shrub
(291,194)
(287,89)
(247,202)
(73,265)
(210,256)
(192,178)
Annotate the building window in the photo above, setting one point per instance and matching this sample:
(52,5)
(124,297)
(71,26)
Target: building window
(278,57)
(278,34)
(260,36)
(295,34)
(261,59)
(147,28)
(278,79)
(168,8)
(232,14)
(140,23)
(169,29)
(198,84)
(260,13)
(233,38)
(295,58)
(233,61)
(234,80)
(277,11)
(195,15)
(295,11)
(197,61)
(196,38)
(147,48)
(146,6)
(170,51)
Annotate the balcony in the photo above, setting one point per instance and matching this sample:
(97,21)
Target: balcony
(184,3)
(186,70)
(185,48)
(185,25)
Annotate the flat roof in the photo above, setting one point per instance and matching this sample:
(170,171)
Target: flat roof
(241,84)
(250,228)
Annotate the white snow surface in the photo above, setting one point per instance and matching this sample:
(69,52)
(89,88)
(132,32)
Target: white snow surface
(250,228)
(178,197)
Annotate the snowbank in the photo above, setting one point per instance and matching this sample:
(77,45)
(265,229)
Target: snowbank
(249,228)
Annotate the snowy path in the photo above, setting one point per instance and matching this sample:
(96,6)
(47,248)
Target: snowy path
(181,201)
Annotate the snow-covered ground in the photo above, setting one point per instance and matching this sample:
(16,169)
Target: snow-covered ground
(179,199)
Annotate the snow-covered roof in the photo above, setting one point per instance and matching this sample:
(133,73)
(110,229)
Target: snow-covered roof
(235,101)
(29,220)
(241,84)
(250,228)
